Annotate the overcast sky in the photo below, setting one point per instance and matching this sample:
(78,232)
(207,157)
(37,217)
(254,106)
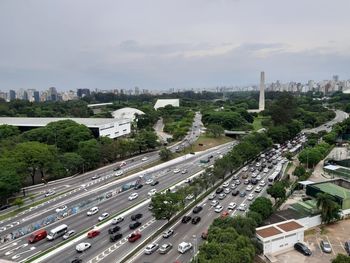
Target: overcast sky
(161,44)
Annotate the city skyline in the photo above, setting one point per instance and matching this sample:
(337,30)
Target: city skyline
(163,45)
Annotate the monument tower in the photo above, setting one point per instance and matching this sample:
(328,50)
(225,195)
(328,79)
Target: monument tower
(262,91)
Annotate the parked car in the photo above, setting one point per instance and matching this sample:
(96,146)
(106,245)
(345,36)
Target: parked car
(196,219)
(231,206)
(212,196)
(226,184)
(218,208)
(152,192)
(242,194)
(242,207)
(300,247)
(258,189)
(222,196)
(214,203)
(250,197)
(186,219)
(347,247)
(235,192)
(165,248)
(227,190)
(325,246)
(219,190)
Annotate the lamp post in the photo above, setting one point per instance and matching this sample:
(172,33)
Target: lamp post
(195,248)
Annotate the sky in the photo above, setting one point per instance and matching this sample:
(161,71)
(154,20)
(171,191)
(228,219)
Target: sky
(162,44)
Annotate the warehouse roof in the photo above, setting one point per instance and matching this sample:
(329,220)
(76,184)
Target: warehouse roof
(164,102)
(126,113)
(40,122)
(281,228)
(333,189)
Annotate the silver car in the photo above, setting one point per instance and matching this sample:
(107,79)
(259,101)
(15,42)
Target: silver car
(325,246)
(69,234)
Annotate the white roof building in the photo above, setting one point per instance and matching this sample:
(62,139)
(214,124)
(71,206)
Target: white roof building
(126,113)
(161,103)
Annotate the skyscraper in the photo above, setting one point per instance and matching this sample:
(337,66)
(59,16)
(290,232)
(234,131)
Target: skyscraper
(12,95)
(262,92)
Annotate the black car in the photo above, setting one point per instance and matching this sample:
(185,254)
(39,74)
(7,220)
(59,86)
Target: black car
(113,229)
(235,192)
(260,168)
(197,209)
(4,207)
(138,186)
(196,220)
(347,247)
(135,225)
(115,237)
(300,247)
(76,260)
(186,219)
(154,183)
(254,181)
(116,168)
(263,165)
(270,166)
(219,190)
(136,217)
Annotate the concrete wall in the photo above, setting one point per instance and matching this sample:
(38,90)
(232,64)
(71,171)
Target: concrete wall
(311,221)
(115,129)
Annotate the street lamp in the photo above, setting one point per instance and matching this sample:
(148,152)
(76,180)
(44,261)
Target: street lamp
(195,247)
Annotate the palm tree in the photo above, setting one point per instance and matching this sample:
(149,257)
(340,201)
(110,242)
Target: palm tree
(329,208)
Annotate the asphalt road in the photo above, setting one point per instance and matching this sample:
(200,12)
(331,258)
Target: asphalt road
(114,205)
(192,233)
(339,117)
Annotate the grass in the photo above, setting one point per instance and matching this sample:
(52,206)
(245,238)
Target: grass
(257,124)
(310,232)
(207,142)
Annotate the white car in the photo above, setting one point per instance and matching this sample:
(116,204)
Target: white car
(184,171)
(190,197)
(226,184)
(222,196)
(61,208)
(176,171)
(152,192)
(245,169)
(218,208)
(92,211)
(151,248)
(49,193)
(69,234)
(82,247)
(231,206)
(250,197)
(249,187)
(184,247)
(117,220)
(144,159)
(257,164)
(133,196)
(103,216)
(258,178)
(149,181)
(233,186)
(118,173)
(258,189)
(265,170)
(214,203)
(242,207)
(227,190)
(211,196)
(254,175)
(262,183)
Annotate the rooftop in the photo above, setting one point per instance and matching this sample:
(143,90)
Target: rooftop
(164,102)
(333,189)
(278,228)
(40,122)
(268,232)
(289,226)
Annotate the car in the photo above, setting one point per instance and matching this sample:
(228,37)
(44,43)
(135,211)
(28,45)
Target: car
(247,181)
(258,178)
(176,171)
(254,181)
(257,164)
(184,247)
(134,225)
(61,208)
(235,193)
(196,220)
(5,206)
(252,169)
(138,186)
(265,170)
(245,169)
(116,168)
(165,248)
(197,209)
(262,183)
(222,196)
(133,196)
(103,217)
(254,175)
(95,177)
(218,208)
(250,197)
(347,247)
(76,260)
(258,189)
(303,249)
(93,233)
(188,180)
(231,206)
(168,233)
(249,187)
(154,183)
(82,247)
(242,207)
(149,181)
(219,190)
(92,211)
(227,190)
(184,171)
(116,236)
(118,173)
(325,246)
(109,195)
(242,194)
(190,197)
(152,192)
(151,248)
(69,234)
(212,196)
(113,229)
(134,236)
(226,184)
(204,235)
(49,193)
(214,203)
(117,220)
(186,219)
(225,214)
(144,159)
(244,176)
(136,216)
(237,182)
(122,164)
(233,186)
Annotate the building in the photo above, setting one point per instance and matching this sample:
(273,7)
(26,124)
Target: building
(52,94)
(161,103)
(262,92)
(36,96)
(12,95)
(81,93)
(108,127)
(127,113)
(281,236)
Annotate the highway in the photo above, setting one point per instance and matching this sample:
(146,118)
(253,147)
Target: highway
(192,233)
(112,205)
(339,117)
(77,186)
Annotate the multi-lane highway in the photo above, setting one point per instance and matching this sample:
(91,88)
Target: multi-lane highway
(339,117)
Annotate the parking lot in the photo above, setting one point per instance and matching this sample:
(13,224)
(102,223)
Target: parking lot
(335,234)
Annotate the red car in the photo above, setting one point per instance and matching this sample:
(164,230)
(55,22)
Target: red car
(93,233)
(225,214)
(134,236)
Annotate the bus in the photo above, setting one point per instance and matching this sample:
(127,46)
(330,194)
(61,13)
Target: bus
(57,232)
(276,175)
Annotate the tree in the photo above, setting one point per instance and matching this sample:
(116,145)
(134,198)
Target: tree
(255,216)
(164,206)
(330,210)
(299,171)
(146,140)
(72,162)
(165,154)
(7,131)
(90,152)
(215,130)
(263,206)
(18,202)
(341,259)
(277,190)
(244,226)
